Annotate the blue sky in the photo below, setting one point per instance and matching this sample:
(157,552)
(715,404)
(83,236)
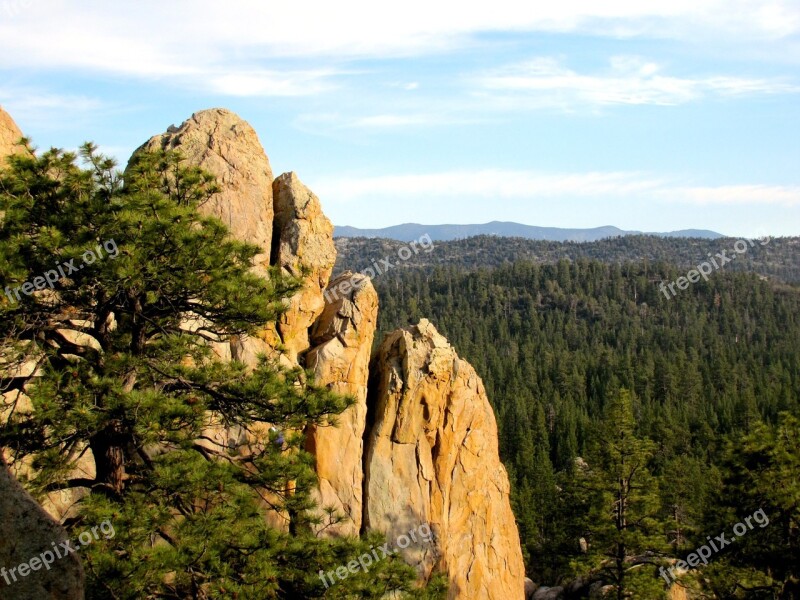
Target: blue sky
(645,115)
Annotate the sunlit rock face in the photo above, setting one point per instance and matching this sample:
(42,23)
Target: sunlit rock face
(341,343)
(432,457)
(223,144)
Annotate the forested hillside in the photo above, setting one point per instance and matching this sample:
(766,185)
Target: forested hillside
(778,258)
(569,350)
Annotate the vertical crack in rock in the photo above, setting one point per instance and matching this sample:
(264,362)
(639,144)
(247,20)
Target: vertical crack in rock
(341,344)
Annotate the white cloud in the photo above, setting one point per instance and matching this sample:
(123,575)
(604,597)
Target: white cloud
(488,183)
(501,184)
(737,194)
(381,122)
(32,104)
(271,83)
(545,81)
(155,38)
(390,121)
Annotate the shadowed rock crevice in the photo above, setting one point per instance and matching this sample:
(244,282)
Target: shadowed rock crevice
(341,341)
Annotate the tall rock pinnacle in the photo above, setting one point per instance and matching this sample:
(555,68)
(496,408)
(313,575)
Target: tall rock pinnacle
(432,457)
(303,247)
(342,342)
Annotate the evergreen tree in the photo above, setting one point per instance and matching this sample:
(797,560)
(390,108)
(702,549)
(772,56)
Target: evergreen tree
(704,366)
(140,389)
(625,535)
(760,483)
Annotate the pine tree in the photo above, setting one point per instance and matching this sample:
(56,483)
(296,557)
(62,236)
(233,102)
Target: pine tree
(141,396)
(760,483)
(626,535)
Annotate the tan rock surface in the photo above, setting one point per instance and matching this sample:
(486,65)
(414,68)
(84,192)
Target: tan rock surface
(220,142)
(302,247)
(677,592)
(26,531)
(342,341)
(10,134)
(432,457)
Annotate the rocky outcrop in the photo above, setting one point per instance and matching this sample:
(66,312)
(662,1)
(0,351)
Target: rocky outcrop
(9,137)
(419,447)
(220,142)
(26,532)
(432,457)
(226,146)
(342,340)
(290,227)
(302,247)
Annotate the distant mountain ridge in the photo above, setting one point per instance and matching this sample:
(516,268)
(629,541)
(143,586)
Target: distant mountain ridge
(412,231)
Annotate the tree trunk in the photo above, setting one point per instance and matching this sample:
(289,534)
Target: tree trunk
(109,456)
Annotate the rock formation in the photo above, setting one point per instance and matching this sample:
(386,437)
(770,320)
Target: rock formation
(432,452)
(432,457)
(26,531)
(419,446)
(302,247)
(220,142)
(530,588)
(289,226)
(9,136)
(342,339)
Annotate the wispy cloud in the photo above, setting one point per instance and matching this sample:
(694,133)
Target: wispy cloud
(546,81)
(488,183)
(737,194)
(153,38)
(260,82)
(380,122)
(509,184)
(31,104)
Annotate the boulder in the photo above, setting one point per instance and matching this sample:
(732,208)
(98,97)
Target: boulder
(599,591)
(27,531)
(341,344)
(432,457)
(549,593)
(220,142)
